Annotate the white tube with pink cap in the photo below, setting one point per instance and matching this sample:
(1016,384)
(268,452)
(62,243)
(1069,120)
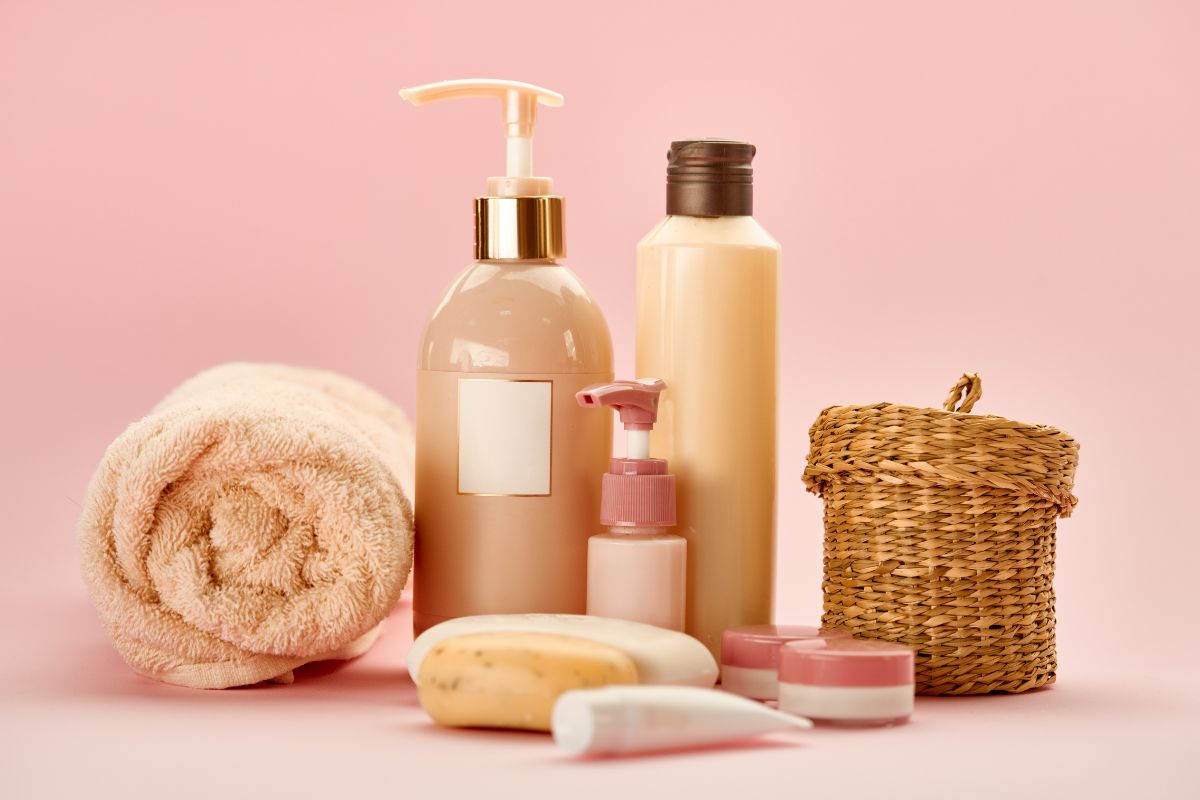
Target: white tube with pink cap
(637,570)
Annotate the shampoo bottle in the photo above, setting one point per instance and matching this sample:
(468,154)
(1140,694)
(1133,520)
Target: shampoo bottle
(636,569)
(707,309)
(505,495)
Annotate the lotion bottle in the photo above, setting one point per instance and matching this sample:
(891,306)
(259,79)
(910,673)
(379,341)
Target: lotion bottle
(636,569)
(505,497)
(707,311)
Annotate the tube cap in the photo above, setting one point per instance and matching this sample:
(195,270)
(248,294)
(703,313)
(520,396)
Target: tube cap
(846,662)
(757,646)
(592,722)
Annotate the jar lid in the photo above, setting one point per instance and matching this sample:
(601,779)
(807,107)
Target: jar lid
(950,449)
(757,646)
(846,662)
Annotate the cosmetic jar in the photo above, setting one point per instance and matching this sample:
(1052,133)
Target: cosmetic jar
(847,681)
(750,656)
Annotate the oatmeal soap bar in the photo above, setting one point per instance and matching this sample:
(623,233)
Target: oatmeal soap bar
(511,680)
(661,656)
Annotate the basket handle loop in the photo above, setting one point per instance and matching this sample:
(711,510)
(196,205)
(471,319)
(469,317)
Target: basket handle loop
(969,389)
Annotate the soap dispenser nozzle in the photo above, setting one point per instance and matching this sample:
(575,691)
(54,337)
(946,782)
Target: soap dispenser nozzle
(637,491)
(518,105)
(637,404)
(520,217)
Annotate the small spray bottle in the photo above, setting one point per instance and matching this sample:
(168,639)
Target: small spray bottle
(637,570)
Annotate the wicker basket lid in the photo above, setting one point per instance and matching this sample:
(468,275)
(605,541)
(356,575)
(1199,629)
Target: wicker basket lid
(895,444)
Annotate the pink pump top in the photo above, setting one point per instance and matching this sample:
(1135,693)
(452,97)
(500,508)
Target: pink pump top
(757,646)
(846,662)
(636,402)
(635,492)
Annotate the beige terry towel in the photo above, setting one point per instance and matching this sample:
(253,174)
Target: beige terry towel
(256,520)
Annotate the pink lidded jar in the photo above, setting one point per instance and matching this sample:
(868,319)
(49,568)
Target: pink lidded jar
(750,656)
(847,681)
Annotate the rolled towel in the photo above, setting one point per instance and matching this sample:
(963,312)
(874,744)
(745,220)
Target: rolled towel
(255,521)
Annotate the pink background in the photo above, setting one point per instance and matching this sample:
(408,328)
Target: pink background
(1012,189)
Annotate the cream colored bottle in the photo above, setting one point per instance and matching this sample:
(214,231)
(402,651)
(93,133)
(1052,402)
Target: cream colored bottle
(506,494)
(707,316)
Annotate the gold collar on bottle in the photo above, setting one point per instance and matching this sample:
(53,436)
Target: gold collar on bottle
(524,228)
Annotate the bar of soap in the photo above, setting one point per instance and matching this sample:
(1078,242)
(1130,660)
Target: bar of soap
(661,656)
(511,680)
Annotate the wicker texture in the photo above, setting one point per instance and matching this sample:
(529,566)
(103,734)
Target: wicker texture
(939,534)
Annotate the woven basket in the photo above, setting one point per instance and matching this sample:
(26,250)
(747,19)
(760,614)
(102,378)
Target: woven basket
(939,534)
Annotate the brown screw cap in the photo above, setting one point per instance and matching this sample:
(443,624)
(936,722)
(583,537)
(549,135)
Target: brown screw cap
(710,178)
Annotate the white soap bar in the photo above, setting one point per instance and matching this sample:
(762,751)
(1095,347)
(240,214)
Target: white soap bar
(661,656)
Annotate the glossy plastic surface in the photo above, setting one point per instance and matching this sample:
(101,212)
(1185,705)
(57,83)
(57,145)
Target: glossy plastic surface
(707,299)
(757,646)
(638,574)
(517,316)
(846,662)
(507,553)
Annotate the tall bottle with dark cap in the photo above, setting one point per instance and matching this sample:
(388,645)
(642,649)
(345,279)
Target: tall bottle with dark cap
(708,306)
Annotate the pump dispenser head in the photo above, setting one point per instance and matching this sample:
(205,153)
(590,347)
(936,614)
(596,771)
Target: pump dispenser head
(519,217)
(636,491)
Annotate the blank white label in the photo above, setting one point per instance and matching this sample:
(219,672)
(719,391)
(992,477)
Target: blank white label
(504,430)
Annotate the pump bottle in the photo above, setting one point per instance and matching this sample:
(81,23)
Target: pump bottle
(707,300)
(636,569)
(506,459)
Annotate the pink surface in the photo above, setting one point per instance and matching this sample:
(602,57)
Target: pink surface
(1012,189)
(757,646)
(846,663)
